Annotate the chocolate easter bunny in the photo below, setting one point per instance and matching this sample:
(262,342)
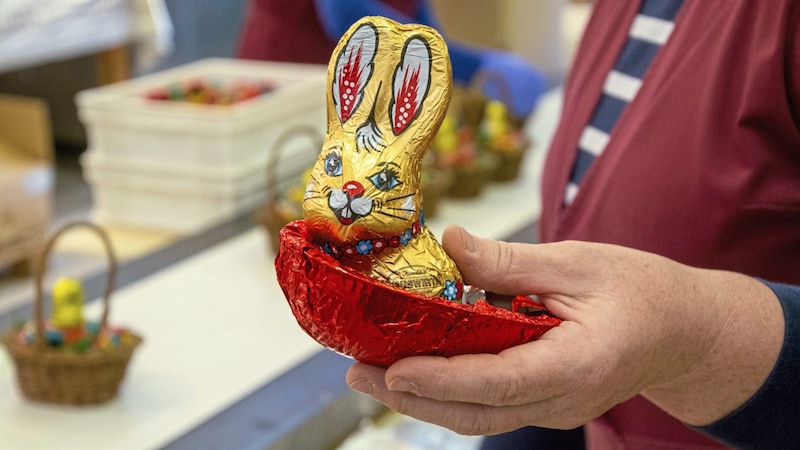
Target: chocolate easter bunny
(389,88)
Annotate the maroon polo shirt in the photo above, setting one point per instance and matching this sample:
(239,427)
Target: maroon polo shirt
(703,166)
(291,30)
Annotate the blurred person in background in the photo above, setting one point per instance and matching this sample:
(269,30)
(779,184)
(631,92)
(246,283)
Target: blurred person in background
(306,31)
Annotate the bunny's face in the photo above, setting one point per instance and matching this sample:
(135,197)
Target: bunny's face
(389,89)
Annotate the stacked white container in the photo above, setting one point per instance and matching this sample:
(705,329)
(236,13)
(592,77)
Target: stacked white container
(181,166)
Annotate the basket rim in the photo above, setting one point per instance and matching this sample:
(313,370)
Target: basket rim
(51,356)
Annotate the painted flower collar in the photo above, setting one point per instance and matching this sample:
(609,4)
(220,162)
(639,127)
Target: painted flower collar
(452,290)
(377,245)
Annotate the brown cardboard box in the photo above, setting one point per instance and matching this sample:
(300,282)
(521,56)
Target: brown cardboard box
(530,29)
(26,178)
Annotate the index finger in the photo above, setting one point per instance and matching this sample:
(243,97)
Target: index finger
(523,374)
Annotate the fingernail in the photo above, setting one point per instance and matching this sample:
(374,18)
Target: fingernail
(362,385)
(402,385)
(468,240)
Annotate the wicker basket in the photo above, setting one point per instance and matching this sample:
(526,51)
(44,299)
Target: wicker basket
(468,104)
(507,160)
(54,375)
(469,179)
(477,99)
(274,214)
(509,164)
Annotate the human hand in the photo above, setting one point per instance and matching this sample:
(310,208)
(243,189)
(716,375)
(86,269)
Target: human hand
(633,323)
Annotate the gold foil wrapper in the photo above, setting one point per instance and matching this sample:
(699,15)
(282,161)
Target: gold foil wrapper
(389,88)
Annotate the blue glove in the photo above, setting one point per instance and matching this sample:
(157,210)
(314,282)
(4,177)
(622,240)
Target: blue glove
(336,16)
(511,79)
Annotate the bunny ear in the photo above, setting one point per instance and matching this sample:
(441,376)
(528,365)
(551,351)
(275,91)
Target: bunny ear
(353,70)
(411,83)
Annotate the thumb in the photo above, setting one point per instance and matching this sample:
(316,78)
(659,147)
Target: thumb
(484,263)
(567,268)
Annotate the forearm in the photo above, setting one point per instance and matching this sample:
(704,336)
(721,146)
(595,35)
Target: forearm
(747,326)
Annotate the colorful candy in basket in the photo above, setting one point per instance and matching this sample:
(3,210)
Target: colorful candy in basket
(362,273)
(67,359)
(456,151)
(502,137)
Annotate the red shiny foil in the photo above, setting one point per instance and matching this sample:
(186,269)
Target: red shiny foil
(377,323)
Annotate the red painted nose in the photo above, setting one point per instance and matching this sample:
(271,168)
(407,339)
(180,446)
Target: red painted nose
(353,189)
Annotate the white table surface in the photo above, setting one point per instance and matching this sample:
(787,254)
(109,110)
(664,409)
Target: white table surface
(216,327)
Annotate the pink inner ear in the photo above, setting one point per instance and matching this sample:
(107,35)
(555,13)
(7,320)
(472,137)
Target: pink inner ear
(410,86)
(405,107)
(353,69)
(348,80)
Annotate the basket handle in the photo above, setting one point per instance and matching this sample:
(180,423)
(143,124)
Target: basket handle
(483,77)
(41,265)
(272,159)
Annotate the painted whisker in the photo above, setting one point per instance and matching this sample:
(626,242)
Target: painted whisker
(402,197)
(410,210)
(390,215)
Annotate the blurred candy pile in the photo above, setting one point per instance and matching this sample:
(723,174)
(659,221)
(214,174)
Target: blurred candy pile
(211,92)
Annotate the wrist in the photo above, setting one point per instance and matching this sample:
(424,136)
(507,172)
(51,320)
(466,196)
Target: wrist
(741,336)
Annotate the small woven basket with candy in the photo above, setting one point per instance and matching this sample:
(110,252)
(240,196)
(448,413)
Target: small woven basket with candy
(498,133)
(67,360)
(456,153)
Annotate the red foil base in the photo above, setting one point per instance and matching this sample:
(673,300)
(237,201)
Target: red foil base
(379,324)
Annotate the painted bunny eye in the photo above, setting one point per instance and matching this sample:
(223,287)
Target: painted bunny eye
(333,164)
(385,180)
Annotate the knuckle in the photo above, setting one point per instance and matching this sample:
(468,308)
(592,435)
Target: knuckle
(475,424)
(583,401)
(504,262)
(504,389)
(504,257)
(406,404)
(440,387)
(565,414)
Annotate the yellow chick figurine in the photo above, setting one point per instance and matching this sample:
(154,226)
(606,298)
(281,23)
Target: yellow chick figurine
(298,191)
(446,139)
(495,121)
(67,303)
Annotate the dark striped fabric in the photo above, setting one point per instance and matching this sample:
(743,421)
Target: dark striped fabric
(650,29)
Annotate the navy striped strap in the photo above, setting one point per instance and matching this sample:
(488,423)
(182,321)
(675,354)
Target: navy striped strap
(650,29)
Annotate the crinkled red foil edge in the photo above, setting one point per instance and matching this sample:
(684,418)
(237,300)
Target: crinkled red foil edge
(379,324)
